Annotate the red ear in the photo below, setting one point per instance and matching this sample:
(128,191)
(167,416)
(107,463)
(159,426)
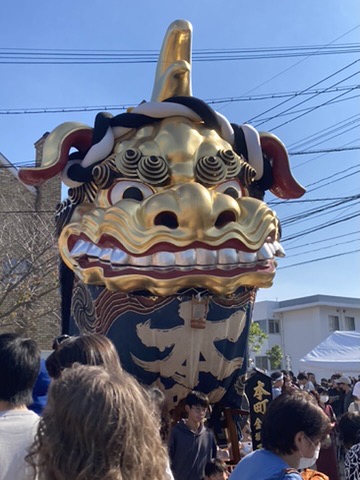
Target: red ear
(284,185)
(56,152)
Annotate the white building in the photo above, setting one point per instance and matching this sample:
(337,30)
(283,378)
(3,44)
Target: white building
(300,324)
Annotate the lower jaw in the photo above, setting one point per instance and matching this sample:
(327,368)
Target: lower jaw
(170,282)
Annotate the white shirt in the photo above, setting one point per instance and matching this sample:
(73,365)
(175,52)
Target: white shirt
(17,432)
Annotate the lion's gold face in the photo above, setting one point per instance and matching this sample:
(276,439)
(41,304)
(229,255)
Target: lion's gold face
(198,229)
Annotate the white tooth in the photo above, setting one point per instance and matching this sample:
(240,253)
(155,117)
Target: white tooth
(247,257)
(264,253)
(80,248)
(227,255)
(141,261)
(186,257)
(105,254)
(163,259)
(272,248)
(205,257)
(118,257)
(93,251)
(279,251)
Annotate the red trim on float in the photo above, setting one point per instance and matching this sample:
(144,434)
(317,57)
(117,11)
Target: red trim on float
(79,139)
(285,185)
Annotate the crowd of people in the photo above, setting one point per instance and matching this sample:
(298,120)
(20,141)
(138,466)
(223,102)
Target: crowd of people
(80,416)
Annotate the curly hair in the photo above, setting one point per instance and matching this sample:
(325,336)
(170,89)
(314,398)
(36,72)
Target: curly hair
(98,425)
(88,349)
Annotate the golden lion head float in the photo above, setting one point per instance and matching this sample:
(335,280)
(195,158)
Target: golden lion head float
(169,195)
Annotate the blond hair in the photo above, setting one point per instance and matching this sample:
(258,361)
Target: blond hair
(98,425)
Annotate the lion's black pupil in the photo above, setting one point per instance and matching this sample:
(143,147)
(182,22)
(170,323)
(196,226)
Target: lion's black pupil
(232,192)
(133,193)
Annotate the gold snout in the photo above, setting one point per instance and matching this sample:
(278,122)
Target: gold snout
(190,208)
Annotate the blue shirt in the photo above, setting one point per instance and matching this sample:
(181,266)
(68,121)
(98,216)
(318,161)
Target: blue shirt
(262,465)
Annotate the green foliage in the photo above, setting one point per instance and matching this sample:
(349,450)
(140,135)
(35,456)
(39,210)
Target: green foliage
(256,337)
(275,356)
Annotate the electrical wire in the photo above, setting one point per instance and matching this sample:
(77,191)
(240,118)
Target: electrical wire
(210,101)
(318,259)
(50,56)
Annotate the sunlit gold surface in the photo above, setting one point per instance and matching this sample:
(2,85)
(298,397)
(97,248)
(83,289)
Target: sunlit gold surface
(133,225)
(174,64)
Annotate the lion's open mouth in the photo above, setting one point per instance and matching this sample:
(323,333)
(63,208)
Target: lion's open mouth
(223,261)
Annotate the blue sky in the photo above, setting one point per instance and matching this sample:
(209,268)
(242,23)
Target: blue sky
(141,25)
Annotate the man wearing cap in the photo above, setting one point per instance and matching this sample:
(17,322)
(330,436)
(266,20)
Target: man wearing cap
(344,384)
(277,379)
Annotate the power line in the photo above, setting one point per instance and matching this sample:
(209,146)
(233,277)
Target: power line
(322,155)
(211,101)
(325,131)
(322,241)
(323,248)
(320,227)
(76,57)
(331,102)
(314,108)
(328,150)
(305,90)
(318,259)
(309,213)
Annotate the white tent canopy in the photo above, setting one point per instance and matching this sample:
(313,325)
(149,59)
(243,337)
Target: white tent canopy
(339,352)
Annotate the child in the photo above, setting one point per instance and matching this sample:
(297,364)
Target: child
(216,470)
(191,444)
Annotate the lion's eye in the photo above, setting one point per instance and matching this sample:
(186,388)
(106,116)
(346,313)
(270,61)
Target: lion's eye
(231,188)
(129,190)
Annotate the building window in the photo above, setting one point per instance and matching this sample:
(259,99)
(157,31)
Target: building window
(349,323)
(274,325)
(263,325)
(261,362)
(334,323)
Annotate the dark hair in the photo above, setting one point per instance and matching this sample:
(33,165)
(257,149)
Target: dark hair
(215,466)
(349,429)
(302,376)
(89,349)
(289,414)
(19,368)
(197,398)
(322,391)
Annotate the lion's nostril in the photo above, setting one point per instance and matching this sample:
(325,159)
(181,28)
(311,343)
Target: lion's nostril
(167,219)
(224,218)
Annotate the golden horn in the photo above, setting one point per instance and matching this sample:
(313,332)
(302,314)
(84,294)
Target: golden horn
(173,72)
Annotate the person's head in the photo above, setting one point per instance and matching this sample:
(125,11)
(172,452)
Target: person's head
(89,349)
(302,378)
(334,377)
(19,368)
(96,425)
(356,391)
(277,379)
(323,395)
(216,469)
(349,429)
(311,377)
(294,423)
(196,406)
(344,383)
